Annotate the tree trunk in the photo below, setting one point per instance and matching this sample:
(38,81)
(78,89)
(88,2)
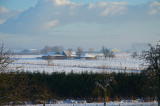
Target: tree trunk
(159,85)
(158,96)
(44,103)
(104,98)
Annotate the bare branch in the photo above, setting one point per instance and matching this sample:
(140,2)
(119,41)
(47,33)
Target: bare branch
(6,57)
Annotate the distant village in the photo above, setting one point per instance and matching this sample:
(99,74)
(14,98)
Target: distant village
(58,52)
(71,55)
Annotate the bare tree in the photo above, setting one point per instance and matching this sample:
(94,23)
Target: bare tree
(79,52)
(111,54)
(57,48)
(91,50)
(6,57)
(107,83)
(134,55)
(107,53)
(69,53)
(46,49)
(152,59)
(49,60)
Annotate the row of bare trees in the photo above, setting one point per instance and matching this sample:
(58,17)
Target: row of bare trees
(106,52)
(47,49)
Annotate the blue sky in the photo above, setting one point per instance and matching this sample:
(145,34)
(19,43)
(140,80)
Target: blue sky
(85,23)
(25,4)
(18,4)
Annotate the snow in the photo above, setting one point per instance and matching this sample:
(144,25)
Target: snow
(50,54)
(71,102)
(122,63)
(101,104)
(86,55)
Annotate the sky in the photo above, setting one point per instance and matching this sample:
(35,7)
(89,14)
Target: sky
(79,23)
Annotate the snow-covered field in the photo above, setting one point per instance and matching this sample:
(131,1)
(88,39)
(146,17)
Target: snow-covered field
(122,62)
(101,104)
(70,102)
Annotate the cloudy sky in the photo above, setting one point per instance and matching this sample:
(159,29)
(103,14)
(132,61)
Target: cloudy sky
(85,23)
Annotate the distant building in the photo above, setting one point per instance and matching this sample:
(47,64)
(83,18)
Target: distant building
(60,55)
(97,55)
(72,55)
(29,51)
(115,50)
(87,56)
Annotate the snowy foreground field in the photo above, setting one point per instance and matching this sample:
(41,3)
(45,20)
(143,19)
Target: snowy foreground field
(101,104)
(122,62)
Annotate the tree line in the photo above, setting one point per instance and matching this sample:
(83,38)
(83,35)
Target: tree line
(106,52)
(21,87)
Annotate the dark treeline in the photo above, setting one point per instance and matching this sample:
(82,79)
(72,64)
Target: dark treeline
(25,86)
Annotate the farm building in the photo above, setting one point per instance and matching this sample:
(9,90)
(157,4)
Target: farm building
(115,50)
(87,56)
(60,55)
(70,54)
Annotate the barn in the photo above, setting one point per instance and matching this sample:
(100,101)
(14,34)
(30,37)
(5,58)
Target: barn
(60,55)
(54,55)
(87,56)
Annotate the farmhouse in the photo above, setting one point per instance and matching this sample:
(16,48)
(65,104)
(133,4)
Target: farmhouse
(115,50)
(60,55)
(70,54)
(87,56)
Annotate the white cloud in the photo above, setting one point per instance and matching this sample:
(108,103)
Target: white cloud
(106,4)
(114,10)
(67,22)
(154,8)
(52,13)
(3,10)
(153,12)
(110,7)
(56,13)
(5,14)
(62,2)
(156,3)
(2,21)
(49,24)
